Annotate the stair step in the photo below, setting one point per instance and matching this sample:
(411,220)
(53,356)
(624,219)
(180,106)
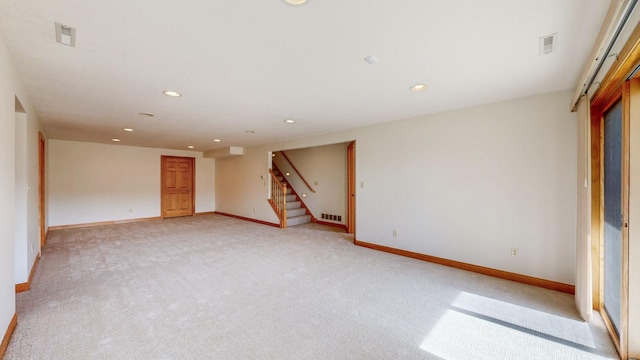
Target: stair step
(298,220)
(293,205)
(280,178)
(291,198)
(296,212)
(288,190)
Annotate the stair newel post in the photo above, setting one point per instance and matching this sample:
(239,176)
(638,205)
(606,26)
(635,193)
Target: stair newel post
(284,206)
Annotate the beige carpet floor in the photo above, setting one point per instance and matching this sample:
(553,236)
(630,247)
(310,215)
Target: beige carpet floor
(213,287)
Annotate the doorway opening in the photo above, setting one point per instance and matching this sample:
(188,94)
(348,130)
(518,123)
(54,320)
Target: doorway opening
(41,188)
(323,177)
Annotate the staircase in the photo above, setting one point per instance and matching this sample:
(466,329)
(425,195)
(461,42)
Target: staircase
(296,211)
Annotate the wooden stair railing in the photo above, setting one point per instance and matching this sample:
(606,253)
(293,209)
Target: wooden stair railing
(278,199)
(297,172)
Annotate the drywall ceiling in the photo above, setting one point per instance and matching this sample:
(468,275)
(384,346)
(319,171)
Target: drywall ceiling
(250,64)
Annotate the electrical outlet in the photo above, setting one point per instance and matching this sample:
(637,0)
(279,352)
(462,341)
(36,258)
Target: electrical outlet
(515,252)
(395,233)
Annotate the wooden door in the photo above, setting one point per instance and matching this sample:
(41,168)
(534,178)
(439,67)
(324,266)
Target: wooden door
(177,189)
(351,188)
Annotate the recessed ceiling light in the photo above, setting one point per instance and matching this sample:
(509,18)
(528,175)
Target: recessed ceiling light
(172,93)
(418,87)
(128,129)
(190,146)
(290,121)
(250,131)
(295,2)
(115,140)
(216,140)
(146,114)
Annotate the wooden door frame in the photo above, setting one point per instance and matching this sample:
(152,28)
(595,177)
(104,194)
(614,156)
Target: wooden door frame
(614,85)
(41,188)
(193,182)
(351,188)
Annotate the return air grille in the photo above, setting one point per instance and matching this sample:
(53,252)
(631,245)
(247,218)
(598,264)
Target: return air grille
(547,44)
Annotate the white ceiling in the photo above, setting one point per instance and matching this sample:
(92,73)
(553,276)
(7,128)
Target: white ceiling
(251,64)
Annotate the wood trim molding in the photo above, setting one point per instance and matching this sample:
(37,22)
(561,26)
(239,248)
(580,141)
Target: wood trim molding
(7,335)
(249,219)
(351,188)
(340,226)
(22,287)
(624,297)
(204,213)
(597,207)
(628,59)
(26,286)
(102,223)
(525,279)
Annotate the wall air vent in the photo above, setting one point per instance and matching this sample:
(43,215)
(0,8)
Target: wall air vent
(548,44)
(65,35)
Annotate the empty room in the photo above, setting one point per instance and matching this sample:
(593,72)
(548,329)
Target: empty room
(320,179)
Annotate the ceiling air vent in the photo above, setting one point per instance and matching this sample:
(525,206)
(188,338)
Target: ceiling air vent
(547,44)
(65,35)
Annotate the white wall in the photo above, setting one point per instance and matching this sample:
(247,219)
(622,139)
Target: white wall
(325,166)
(27,219)
(97,182)
(241,185)
(15,264)
(21,220)
(34,128)
(466,185)
(7,187)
